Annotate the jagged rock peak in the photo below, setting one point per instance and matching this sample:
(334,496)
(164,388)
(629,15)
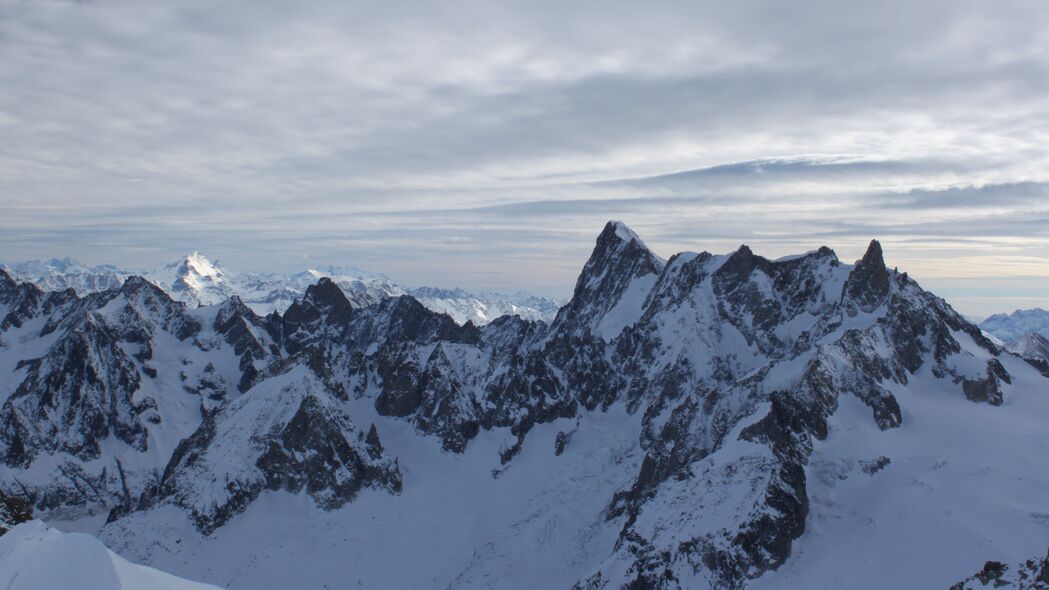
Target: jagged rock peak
(617,233)
(826,251)
(873,255)
(325,293)
(135,284)
(742,262)
(233,308)
(136,287)
(618,260)
(868,283)
(619,242)
(622,231)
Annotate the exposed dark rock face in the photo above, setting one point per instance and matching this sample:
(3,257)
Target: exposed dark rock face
(374,444)
(246,333)
(143,300)
(618,259)
(311,452)
(445,407)
(23,301)
(302,441)
(983,390)
(7,286)
(874,466)
(74,397)
(561,442)
(13,510)
(321,315)
(868,283)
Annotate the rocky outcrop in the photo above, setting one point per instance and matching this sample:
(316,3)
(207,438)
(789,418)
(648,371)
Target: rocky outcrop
(286,433)
(1032,574)
(73,398)
(246,333)
(868,283)
(14,510)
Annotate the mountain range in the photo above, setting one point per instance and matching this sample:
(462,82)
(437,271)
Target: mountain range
(1013,326)
(196,281)
(703,421)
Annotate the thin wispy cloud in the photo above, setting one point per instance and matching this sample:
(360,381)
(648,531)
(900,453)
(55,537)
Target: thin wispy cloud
(484,144)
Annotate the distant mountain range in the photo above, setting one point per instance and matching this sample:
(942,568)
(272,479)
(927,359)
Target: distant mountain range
(1025,333)
(196,281)
(1009,327)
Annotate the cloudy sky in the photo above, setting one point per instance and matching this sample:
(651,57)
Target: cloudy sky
(484,144)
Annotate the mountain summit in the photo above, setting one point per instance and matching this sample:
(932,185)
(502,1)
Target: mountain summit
(195,280)
(612,286)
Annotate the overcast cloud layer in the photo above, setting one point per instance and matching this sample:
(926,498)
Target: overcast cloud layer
(484,145)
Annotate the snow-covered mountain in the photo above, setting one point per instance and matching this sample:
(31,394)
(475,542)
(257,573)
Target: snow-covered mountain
(197,281)
(1034,348)
(194,280)
(1025,332)
(1030,346)
(1009,327)
(721,421)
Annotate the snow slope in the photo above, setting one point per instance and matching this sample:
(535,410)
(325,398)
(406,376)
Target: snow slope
(34,556)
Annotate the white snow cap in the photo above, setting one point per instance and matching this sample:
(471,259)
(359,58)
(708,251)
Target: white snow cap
(201,265)
(625,233)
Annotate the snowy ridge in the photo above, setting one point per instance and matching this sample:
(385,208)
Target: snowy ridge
(722,421)
(35,556)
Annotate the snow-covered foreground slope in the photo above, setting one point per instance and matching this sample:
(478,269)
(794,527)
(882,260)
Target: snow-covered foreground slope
(707,421)
(34,556)
(196,280)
